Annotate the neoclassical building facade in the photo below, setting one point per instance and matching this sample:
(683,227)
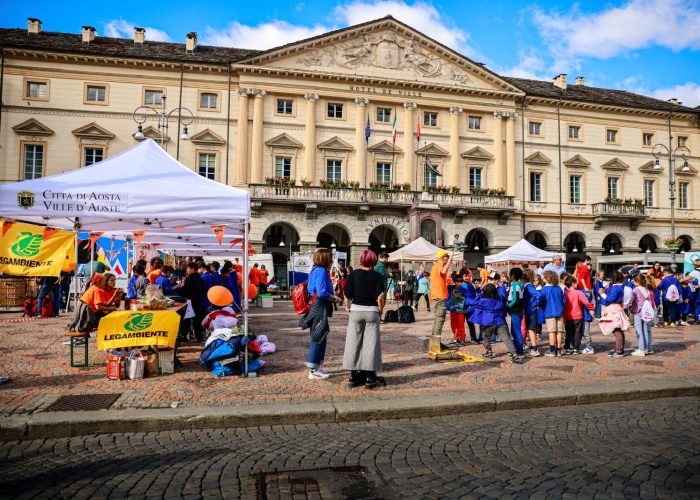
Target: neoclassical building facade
(371,135)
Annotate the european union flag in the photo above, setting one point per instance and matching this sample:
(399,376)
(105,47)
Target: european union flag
(368,131)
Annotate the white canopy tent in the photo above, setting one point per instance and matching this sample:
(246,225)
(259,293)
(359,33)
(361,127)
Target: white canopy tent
(140,189)
(419,250)
(522,253)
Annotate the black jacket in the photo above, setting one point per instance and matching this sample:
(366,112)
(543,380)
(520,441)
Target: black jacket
(193,289)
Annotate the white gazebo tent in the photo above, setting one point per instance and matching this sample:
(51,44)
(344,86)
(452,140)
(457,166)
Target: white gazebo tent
(521,254)
(140,189)
(419,250)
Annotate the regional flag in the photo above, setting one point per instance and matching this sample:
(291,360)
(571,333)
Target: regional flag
(368,132)
(394,130)
(33,250)
(418,131)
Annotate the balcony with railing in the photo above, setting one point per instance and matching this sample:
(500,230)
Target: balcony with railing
(380,195)
(610,211)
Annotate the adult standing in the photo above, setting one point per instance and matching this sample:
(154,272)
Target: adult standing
(557,265)
(438,290)
(381,268)
(364,300)
(264,279)
(193,290)
(319,285)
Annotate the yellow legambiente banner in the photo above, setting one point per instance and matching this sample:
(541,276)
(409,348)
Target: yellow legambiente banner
(131,328)
(31,250)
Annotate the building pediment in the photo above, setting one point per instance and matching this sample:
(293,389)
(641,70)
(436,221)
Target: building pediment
(283,141)
(335,144)
(650,168)
(432,149)
(384,147)
(615,164)
(151,132)
(207,137)
(93,131)
(577,161)
(383,49)
(32,127)
(538,158)
(477,153)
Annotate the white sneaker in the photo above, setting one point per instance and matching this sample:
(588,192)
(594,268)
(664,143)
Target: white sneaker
(650,351)
(533,353)
(684,323)
(318,374)
(588,350)
(638,352)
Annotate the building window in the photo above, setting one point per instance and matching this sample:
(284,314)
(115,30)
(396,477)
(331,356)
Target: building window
(208,100)
(334,170)
(384,173)
(283,166)
(384,115)
(474,178)
(152,97)
(285,106)
(207,165)
(574,132)
(647,139)
(535,128)
(575,189)
(92,155)
(612,188)
(474,122)
(36,90)
(335,110)
(683,195)
(33,161)
(430,177)
(682,141)
(648,193)
(430,118)
(535,186)
(96,93)
(611,136)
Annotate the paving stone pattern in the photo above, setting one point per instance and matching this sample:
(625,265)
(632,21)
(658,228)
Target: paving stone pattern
(32,353)
(641,449)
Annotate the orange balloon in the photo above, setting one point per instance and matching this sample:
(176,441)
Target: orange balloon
(252,291)
(219,296)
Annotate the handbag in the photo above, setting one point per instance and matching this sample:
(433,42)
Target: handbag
(151,368)
(135,365)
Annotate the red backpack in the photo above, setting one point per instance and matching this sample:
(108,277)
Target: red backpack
(301,300)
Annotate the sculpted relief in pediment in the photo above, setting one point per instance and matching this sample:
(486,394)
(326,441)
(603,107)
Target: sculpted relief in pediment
(385,51)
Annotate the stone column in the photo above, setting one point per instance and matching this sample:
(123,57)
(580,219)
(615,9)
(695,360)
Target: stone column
(409,158)
(310,138)
(498,167)
(454,179)
(241,176)
(360,141)
(256,174)
(510,154)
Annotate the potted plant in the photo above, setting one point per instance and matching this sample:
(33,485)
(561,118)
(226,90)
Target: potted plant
(269,181)
(673,244)
(355,185)
(305,183)
(454,190)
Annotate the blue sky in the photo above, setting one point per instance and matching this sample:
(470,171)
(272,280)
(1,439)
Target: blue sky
(646,46)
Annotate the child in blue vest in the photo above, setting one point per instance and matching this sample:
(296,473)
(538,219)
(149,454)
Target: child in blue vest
(552,302)
(670,289)
(531,299)
(516,307)
(684,306)
(490,313)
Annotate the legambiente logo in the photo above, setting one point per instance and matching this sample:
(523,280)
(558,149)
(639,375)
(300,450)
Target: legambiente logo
(138,321)
(27,244)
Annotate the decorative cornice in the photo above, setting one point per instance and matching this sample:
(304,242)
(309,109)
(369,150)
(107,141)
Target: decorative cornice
(32,127)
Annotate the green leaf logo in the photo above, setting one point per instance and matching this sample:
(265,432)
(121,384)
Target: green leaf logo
(27,244)
(138,321)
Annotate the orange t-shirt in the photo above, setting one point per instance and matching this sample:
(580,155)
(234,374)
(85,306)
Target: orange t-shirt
(255,276)
(484,275)
(153,275)
(263,276)
(438,282)
(90,296)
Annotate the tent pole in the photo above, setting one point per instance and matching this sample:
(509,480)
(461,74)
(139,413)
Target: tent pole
(76,227)
(245,293)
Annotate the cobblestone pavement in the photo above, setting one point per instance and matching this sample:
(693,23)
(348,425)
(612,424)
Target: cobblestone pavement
(32,353)
(647,449)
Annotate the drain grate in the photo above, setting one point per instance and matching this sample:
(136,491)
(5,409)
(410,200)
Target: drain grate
(83,402)
(326,483)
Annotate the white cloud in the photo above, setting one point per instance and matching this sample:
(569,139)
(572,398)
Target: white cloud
(688,93)
(637,24)
(530,65)
(419,15)
(121,28)
(263,36)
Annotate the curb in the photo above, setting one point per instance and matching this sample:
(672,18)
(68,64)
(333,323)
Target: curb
(69,424)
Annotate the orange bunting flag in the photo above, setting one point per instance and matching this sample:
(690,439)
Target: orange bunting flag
(93,237)
(236,241)
(48,232)
(179,229)
(138,236)
(219,232)
(6,225)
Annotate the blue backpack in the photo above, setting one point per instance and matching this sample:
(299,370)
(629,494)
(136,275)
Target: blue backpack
(220,355)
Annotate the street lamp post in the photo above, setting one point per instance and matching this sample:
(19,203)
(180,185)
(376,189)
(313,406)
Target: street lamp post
(163,118)
(658,151)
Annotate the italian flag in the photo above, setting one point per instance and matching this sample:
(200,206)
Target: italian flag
(394,130)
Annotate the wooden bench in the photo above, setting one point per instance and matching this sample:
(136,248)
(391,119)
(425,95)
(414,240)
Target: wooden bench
(78,335)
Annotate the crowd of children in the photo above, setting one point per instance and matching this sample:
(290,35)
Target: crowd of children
(566,305)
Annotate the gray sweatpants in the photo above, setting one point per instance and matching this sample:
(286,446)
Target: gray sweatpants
(363,350)
(502,334)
